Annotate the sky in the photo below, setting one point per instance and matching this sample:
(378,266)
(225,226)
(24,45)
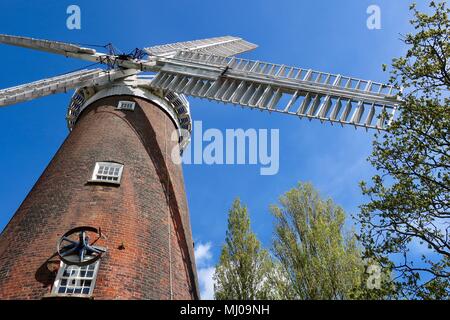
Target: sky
(329,36)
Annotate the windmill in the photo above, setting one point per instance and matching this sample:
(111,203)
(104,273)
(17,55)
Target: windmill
(123,149)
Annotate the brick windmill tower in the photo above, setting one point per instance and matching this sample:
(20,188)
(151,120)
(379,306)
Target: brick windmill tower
(108,218)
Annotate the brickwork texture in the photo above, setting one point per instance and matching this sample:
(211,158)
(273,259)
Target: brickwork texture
(144,220)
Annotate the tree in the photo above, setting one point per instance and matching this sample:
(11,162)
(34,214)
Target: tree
(410,195)
(244,266)
(319,260)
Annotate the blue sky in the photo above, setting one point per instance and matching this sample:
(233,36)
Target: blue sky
(324,35)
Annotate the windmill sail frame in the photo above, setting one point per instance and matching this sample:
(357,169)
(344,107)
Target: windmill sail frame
(208,69)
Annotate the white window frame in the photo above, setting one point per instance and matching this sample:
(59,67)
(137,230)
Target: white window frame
(75,281)
(107,177)
(126,105)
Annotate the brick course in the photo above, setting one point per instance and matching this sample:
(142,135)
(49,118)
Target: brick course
(146,213)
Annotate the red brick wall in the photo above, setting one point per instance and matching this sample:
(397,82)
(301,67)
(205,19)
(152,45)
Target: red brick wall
(135,214)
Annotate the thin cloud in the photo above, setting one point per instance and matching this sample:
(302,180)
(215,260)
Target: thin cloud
(202,253)
(206,281)
(205,271)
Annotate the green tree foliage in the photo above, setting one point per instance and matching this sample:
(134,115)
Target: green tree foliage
(318,259)
(410,195)
(244,267)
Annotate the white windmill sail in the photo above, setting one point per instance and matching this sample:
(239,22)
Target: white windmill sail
(70,50)
(44,45)
(279,88)
(223,46)
(205,69)
(59,84)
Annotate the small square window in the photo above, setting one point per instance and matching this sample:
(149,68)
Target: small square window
(73,279)
(110,172)
(126,105)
